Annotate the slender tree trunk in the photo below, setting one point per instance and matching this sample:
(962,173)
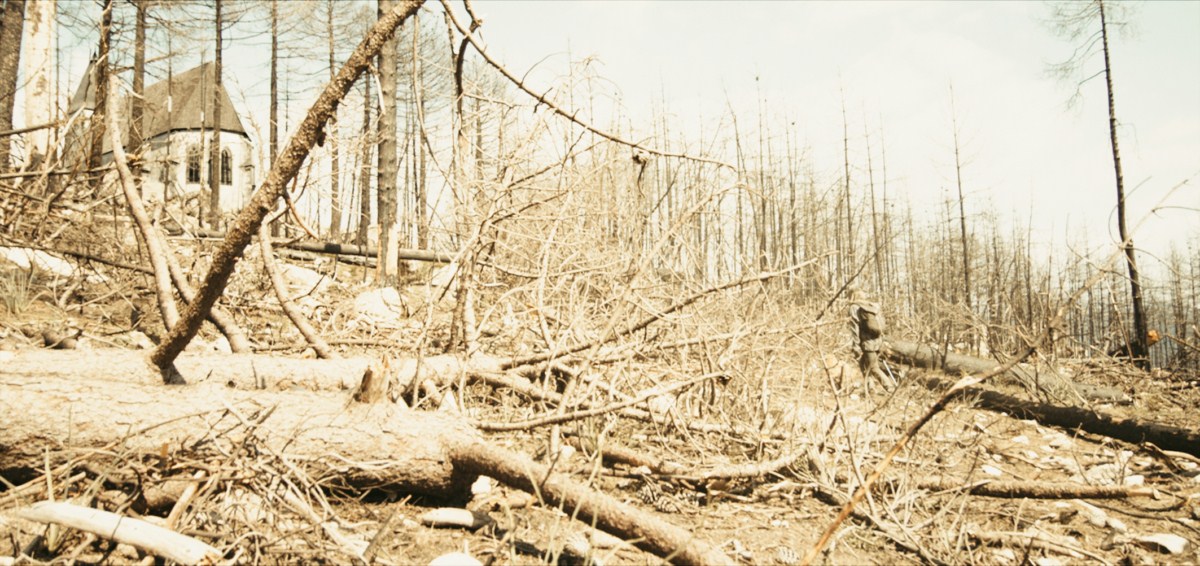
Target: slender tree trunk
(214,160)
(420,197)
(364,177)
(387,153)
(1139,346)
(100,76)
(11,28)
(962,214)
(848,270)
(274,111)
(41,87)
(335,221)
(137,103)
(875,241)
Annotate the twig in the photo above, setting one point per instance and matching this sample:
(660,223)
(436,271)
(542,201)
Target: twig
(576,415)
(1038,490)
(630,329)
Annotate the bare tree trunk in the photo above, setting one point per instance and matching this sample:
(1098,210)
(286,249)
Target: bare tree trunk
(214,160)
(962,214)
(388,165)
(250,218)
(154,247)
(848,271)
(137,102)
(41,87)
(274,118)
(1139,346)
(100,76)
(364,177)
(420,198)
(335,221)
(12,23)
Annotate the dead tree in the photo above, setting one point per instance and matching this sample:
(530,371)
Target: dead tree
(247,222)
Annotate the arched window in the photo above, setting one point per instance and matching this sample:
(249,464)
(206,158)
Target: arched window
(193,164)
(226,167)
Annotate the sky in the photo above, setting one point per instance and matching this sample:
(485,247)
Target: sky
(1027,153)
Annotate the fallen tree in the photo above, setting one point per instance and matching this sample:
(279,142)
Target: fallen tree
(1130,430)
(1044,382)
(68,418)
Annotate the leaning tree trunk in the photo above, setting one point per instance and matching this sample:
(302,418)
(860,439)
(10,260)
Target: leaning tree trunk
(1139,347)
(251,217)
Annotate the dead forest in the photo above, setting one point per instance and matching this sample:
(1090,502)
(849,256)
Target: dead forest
(429,311)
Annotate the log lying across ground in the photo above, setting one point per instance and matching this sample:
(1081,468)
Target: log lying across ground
(69,408)
(362,445)
(1135,431)
(241,371)
(1046,381)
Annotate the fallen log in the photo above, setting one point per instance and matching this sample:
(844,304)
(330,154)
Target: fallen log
(355,446)
(1045,381)
(360,446)
(1134,431)
(241,371)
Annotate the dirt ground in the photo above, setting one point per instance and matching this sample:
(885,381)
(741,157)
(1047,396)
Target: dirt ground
(799,390)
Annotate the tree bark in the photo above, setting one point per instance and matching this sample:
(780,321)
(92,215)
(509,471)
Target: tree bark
(149,233)
(274,111)
(402,449)
(12,23)
(364,177)
(335,220)
(388,166)
(310,334)
(39,62)
(248,220)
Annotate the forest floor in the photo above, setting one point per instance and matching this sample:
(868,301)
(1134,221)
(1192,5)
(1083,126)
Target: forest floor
(793,380)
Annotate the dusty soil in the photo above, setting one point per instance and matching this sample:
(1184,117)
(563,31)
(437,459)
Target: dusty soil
(798,389)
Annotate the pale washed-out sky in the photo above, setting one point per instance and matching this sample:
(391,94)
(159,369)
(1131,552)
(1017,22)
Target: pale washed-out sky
(894,63)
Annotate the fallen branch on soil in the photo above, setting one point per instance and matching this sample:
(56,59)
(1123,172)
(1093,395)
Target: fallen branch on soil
(154,539)
(1037,541)
(1038,490)
(1131,430)
(912,431)
(645,530)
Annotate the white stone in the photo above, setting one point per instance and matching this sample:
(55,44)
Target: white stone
(455,559)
